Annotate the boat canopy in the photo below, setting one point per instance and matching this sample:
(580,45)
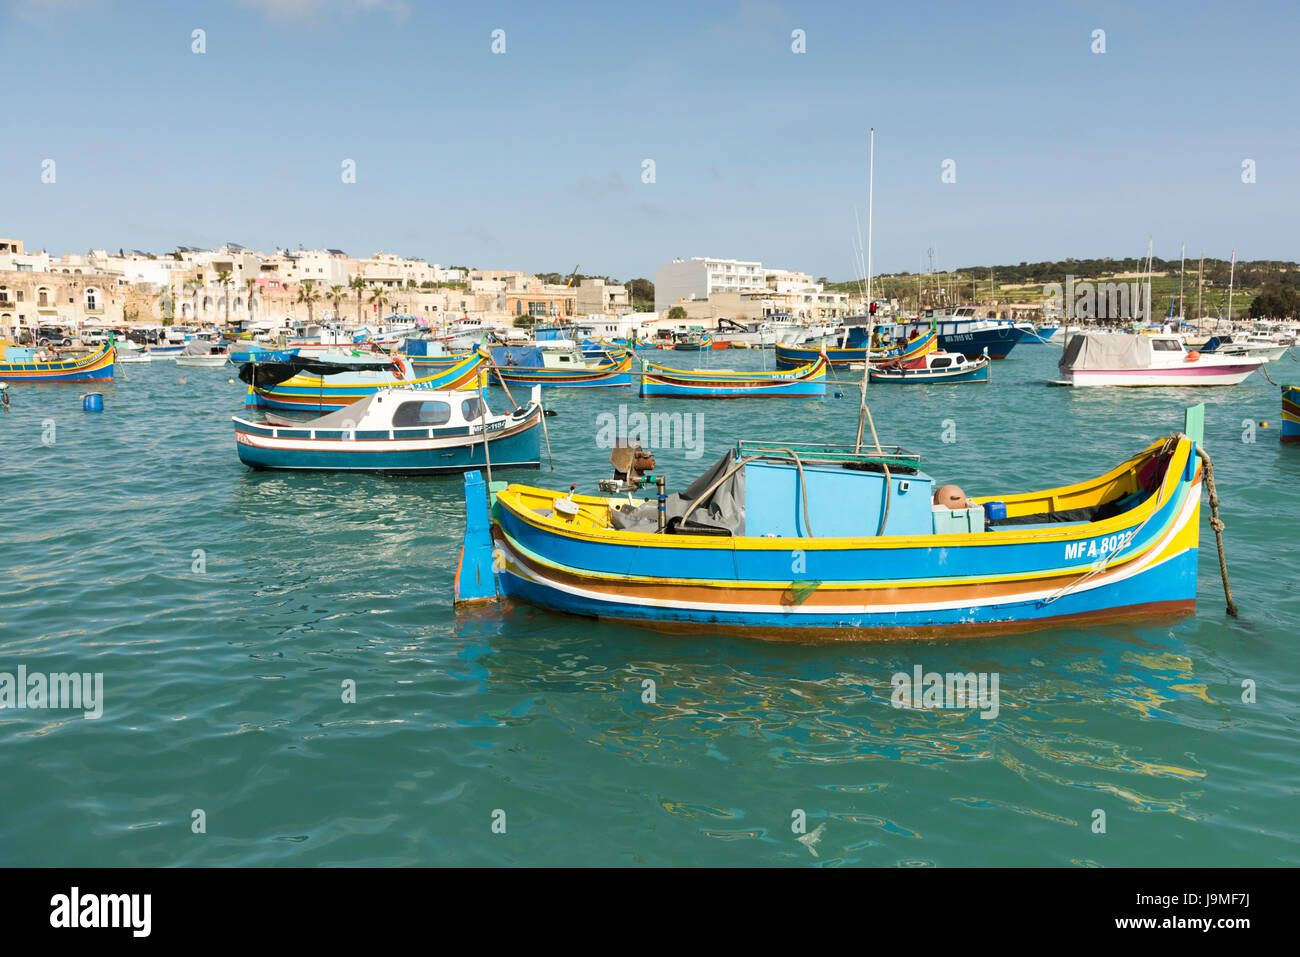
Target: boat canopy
(1111,350)
(267,374)
(529,357)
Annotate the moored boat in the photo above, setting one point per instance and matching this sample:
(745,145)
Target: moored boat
(922,342)
(1290,413)
(1124,359)
(307,384)
(529,365)
(796,541)
(807,382)
(932,367)
(397,431)
(26,364)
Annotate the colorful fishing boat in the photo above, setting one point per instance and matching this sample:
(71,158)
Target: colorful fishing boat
(308,384)
(26,364)
(397,431)
(933,367)
(844,356)
(808,382)
(1290,413)
(798,541)
(528,365)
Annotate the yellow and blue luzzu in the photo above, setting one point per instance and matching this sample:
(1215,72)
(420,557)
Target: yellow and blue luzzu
(856,351)
(763,545)
(324,393)
(25,364)
(808,382)
(1290,413)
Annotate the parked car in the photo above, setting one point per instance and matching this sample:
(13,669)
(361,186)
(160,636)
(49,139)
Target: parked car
(52,336)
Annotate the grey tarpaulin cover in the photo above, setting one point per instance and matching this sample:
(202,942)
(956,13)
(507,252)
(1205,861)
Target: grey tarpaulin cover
(724,508)
(1108,350)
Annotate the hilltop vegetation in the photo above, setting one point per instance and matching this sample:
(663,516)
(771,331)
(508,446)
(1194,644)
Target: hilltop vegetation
(1025,283)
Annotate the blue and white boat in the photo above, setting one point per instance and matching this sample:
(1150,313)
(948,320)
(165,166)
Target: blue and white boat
(960,330)
(397,431)
(252,352)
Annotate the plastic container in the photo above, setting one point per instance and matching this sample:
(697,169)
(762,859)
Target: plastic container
(994,511)
(93,402)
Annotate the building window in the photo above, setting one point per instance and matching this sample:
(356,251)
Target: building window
(92,300)
(42,297)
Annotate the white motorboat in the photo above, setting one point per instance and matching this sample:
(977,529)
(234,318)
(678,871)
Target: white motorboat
(1122,359)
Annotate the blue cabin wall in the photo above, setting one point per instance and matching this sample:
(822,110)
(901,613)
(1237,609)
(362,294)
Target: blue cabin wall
(840,501)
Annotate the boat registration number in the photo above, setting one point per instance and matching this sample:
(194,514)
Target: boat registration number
(1099,547)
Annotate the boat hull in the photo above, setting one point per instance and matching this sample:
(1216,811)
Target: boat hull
(395,452)
(806,383)
(614,374)
(1290,414)
(996,343)
(1199,374)
(905,376)
(304,393)
(1139,564)
(93,368)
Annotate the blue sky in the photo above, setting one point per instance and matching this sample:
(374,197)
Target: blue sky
(532,159)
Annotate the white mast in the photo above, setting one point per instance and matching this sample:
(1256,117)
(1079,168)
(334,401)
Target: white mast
(864,414)
(1231,269)
(1146,313)
(1182,262)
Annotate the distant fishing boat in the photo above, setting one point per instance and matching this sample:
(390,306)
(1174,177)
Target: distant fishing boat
(934,367)
(252,352)
(876,558)
(921,343)
(399,431)
(960,330)
(808,382)
(27,364)
(201,354)
(1128,359)
(1290,413)
(529,365)
(306,384)
(692,342)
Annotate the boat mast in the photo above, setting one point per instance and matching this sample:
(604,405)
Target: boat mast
(1182,262)
(1199,273)
(1146,312)
(1231,269)
(864,414)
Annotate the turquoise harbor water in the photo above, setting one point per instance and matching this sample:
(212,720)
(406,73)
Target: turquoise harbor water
(222,689)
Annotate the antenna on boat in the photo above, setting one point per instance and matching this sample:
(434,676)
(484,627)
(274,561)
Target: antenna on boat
(864,414)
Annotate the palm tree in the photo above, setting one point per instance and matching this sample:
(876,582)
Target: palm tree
(379,299)
(307,294)
(358,283)
(250,285)
(223,277)
(336,296)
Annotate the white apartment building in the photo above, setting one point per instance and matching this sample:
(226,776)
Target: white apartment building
(699,278)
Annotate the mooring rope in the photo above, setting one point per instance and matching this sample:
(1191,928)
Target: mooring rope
(1216,523)
(1263,370)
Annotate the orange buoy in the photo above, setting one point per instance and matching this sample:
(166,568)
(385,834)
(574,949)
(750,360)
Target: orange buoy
(1193,356)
